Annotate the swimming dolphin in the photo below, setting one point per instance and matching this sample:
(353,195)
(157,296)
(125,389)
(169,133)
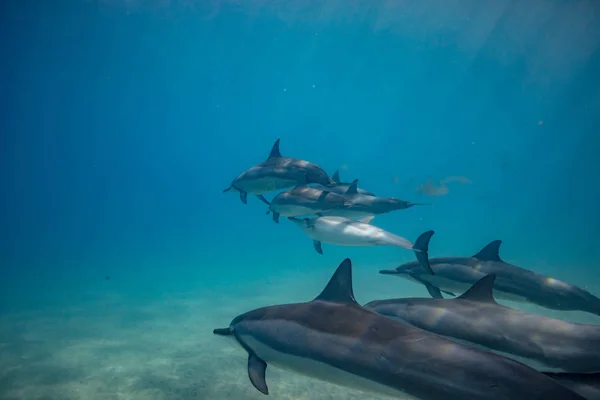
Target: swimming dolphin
(340,187)
(334,339)
(366,205)
(457,274)
(348,232)
(475,317)
(305,200)
(275,173)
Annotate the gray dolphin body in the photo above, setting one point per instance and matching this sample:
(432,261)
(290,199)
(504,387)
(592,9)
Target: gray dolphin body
(366,205)
(305,200)
(348,232)
(334,339)
(275,173)
(457,274)
(340,187)
(475,317)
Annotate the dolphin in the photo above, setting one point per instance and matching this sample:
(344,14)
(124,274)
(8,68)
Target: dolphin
(334,339)
(475,317)
(340,187)
(348,232)
(275,173)
(457,274)
(305,200)
(366,205)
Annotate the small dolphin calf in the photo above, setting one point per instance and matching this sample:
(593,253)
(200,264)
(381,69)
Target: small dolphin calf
(475,317)
(305,200)
(334,339)
(457,274)
(366,205)
(276,173)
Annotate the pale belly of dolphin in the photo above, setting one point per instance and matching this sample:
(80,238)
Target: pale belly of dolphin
(343,239)
(458,287)
(320,370)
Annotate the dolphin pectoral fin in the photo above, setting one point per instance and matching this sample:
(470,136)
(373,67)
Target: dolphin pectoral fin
(317,246)
(421,249)
(276,217)
(256,373)
(433,291)
(448,293)
(244,197)
(263,199)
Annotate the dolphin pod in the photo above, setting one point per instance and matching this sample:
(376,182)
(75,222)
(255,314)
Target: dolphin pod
(333,338)
(468,348)
(457,274)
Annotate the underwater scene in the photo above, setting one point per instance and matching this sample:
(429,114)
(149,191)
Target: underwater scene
(300,200)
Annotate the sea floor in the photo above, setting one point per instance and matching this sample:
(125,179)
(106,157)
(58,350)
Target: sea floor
(117,348)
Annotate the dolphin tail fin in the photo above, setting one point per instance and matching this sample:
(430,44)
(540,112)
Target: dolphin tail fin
(421,249)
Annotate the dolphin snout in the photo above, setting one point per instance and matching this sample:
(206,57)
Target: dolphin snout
(222,331)
(389,272)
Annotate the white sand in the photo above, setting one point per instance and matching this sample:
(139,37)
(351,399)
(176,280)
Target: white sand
(165,349)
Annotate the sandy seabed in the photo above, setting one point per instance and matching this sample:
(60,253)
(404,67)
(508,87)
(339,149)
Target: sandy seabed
(164,348)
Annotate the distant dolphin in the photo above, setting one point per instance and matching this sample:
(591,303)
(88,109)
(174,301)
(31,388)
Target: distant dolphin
(348,232)
(475,317)
(334,339)
(457,274)
(305,200)
(340,187)
(276,173)
(366,205)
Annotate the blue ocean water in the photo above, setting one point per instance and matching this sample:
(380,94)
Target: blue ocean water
(123,121)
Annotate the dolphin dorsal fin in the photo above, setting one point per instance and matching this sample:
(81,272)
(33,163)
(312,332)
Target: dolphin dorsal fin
(336,176)
(275,153)
(491,252)
(339,287)
(366,220)
(353,188)
(323,196)
(481,291)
